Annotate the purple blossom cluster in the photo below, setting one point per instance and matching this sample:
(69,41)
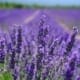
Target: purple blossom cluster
(44,57)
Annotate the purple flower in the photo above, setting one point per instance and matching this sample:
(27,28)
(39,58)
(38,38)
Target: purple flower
(12,61)
(71,42)
(31,71)
(19,40)
(78,78)
(68,75)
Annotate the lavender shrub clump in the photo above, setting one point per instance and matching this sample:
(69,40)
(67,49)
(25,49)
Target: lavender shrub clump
(44,57)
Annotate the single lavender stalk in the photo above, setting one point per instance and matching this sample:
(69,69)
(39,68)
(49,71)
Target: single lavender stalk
(19,50)
(54,47)
(8,49)
(45,69)
(13,37)
(2,52)
(35,70)
(12,61)
(41,45)
(71,42)
(15,73)
(72,63)
(31,71)
(70,71)
(8,55)
(19,40)
(12,47)
(27,57)
(34,51)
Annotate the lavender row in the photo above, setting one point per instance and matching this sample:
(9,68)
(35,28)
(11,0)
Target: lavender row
(44,57)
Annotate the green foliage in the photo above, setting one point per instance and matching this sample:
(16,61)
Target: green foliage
(18,5)
(1,65)
(6,76)
(1,77)
(11,5)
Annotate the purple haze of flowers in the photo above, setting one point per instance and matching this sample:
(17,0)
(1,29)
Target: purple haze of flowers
(41,58)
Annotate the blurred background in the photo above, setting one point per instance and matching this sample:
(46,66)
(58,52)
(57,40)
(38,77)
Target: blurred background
(64,13)
(39,3)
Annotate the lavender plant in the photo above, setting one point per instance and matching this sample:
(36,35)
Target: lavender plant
(47,57)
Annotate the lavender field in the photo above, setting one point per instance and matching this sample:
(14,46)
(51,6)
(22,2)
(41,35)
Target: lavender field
(40,44)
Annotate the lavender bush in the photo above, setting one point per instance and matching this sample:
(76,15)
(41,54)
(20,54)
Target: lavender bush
(44,57)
